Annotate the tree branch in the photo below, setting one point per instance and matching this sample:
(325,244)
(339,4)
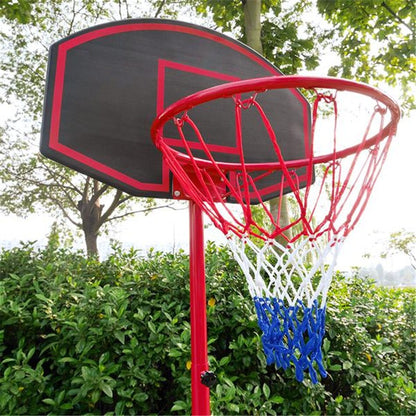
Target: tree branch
(56,175)
(159,9)
(71,23)
(127,10)
(396,16)
(98,193)
(65,213)
(64,189)
(111,208)
(126,198)
(144,210)
(86,186)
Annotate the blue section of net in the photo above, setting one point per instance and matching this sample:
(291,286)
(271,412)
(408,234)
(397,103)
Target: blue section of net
(292,334)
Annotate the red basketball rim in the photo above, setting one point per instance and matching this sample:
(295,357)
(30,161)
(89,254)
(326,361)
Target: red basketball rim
(277,82)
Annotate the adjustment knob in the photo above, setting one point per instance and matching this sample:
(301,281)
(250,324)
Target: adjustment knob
(208,378)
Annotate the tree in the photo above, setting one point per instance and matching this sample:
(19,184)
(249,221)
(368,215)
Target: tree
(17,10)
(402,242)
(375,40)
(287,40)
(31,182)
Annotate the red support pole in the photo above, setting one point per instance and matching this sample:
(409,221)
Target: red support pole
(199,351)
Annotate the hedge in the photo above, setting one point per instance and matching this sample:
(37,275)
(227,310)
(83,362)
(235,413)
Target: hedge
(78,336)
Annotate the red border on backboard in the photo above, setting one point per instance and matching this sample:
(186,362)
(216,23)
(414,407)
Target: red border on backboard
(67,45)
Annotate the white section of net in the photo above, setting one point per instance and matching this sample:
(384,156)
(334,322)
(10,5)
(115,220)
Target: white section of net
(275,271)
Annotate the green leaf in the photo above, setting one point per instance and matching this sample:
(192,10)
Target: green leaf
(224,361)
(19,375)
(233,407)
(179,405)
(140,314)
(151,326)
(4,399)
(49,401)
(106,389)
(229,394)
(95,396)
(122,309)
(373,403)
(120,336)
(346,365)
(175,353)
(119,408)
(80,346)
(60,397)
(266,390)
(30,353)
(67,360)
(326,345)
(277,399)
(141,397)
(43,298)
(104,358)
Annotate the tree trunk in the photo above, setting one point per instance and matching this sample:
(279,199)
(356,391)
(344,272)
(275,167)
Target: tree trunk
(91,243)
(252,28)
(90,215)
(252,24)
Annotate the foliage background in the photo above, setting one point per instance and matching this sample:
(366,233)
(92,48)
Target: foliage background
(82,337)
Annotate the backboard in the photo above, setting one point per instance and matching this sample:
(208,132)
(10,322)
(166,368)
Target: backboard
(106,84)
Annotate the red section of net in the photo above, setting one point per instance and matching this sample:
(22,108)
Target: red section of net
(328,196)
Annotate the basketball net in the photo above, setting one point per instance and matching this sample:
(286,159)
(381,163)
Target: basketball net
(288,264)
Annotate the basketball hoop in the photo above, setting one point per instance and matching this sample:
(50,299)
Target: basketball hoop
(288,265)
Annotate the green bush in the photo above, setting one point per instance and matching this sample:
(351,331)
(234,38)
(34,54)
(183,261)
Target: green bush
(82,337)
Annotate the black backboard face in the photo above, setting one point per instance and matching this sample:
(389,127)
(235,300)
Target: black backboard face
(106,85)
